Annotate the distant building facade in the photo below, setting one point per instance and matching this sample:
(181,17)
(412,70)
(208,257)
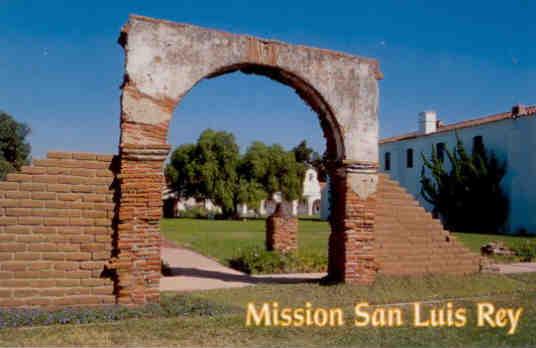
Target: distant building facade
(511,135)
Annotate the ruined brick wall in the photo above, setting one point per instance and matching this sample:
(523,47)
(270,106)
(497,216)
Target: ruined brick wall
(281,231)
(56,232)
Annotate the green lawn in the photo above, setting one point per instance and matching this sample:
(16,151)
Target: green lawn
(221,239)
(226,325)
(475,240)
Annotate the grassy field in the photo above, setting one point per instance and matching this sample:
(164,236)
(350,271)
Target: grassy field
(475,240)
(221,239)
(226,325)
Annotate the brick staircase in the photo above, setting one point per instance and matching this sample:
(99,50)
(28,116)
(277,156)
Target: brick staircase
(409,241)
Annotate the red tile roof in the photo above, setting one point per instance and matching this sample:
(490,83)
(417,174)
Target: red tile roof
(516,112)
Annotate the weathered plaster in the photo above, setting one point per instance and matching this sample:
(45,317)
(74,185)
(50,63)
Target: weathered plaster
(164,60)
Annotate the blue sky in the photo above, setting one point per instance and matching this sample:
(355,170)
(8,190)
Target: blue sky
(60,65)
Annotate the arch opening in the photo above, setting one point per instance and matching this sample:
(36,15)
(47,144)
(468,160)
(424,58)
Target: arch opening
(307,93)
(269,204)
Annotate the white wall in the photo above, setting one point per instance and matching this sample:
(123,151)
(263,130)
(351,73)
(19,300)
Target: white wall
(511,139)
(311,191)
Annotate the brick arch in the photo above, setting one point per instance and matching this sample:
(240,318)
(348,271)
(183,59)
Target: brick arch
(164,60)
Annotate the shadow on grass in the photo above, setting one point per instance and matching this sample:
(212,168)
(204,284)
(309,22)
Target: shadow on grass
(243,278)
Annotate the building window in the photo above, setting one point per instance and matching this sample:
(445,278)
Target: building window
(387,161)
(311,177)
(409,158)
(440,149)
(478,144)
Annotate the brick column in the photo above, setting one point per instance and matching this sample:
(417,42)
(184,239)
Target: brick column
(137,263)
(351,252)
(281,230)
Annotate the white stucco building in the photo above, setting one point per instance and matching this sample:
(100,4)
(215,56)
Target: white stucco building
(511,135)
(310,202)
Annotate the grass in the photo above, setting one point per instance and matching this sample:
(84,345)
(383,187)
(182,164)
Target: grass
(475,240)
(221,239)
(226,327)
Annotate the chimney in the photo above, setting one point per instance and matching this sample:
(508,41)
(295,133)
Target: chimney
(518,110)
(427,122)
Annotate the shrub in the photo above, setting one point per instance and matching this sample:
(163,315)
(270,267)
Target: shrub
(468,196)
(257,260)
(195,213)
(170,306)
(14,147)
(526,251)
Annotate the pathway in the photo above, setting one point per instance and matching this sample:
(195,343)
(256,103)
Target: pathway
(512,268)
(193,271)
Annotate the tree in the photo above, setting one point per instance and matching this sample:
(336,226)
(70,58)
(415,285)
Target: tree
(274,169)
(468,197)
(319,164)
(213,169)
(207,170)
(181,171)
(14,149)
(309,157)
(302,152)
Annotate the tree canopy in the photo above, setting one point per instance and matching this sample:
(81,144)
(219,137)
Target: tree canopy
(213,168)
(14,148)
(306,155)
(274,169)
(468,196)
(207,169)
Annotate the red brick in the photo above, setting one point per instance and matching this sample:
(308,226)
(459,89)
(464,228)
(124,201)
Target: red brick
(69,196)
(26,186)
(17,195)
(47,179)
(78,256)
(43,195)
(15,229)
(28,256)
(33,170)
(18,212)
(6,221)
(9,203)
(9,186)
(16,177)
(59,155)
(30,220)
(29,203)
(58,188)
